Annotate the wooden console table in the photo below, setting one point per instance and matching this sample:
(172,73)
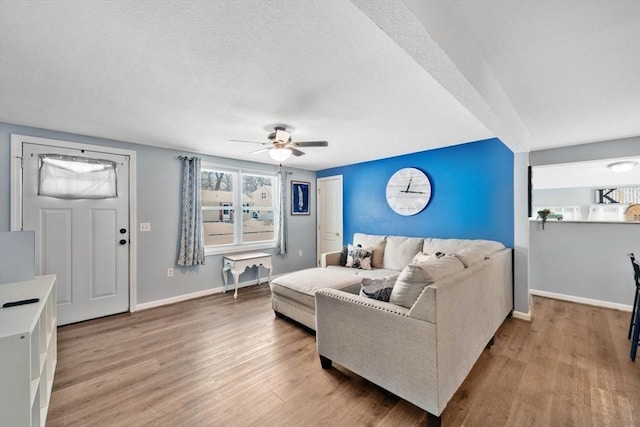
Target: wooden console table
(238,263)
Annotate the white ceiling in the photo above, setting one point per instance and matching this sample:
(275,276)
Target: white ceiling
(376,78)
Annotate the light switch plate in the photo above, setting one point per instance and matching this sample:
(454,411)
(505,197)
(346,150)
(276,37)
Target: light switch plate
(145,226)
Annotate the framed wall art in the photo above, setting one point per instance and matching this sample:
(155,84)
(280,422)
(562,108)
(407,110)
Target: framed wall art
(300,198)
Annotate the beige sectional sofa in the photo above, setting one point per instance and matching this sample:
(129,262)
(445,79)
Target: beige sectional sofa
(421,353)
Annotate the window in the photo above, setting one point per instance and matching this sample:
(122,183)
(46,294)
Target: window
(238,209)
(73,177)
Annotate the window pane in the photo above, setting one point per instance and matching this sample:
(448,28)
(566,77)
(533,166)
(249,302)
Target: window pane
(217,207)
(217,188)
(218,226)
(257,204)
(258,225)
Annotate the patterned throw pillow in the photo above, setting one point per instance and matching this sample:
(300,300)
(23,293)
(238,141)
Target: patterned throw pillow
(359,257)
(343,255)
(378,288)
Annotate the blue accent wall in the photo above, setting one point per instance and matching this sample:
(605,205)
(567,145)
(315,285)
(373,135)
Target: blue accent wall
(472,194)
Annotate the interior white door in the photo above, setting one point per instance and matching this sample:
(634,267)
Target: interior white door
(329,214)
(85,242)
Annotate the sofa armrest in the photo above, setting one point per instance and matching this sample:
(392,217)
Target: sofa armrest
(330,258)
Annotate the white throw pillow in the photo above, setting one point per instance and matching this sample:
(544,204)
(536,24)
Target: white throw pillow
(420,257)
(438,267)
(415,277)
(470,256)
(408,287)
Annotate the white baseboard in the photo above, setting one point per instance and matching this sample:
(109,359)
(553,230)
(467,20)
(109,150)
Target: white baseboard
(581,300)
(185,297)
(522,316)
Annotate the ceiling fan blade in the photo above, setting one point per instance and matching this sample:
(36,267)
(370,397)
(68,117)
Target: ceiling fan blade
(296,152)
(260,150)
(310,144)
(252,142)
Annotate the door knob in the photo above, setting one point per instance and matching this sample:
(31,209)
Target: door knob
(123,242)
(123,230)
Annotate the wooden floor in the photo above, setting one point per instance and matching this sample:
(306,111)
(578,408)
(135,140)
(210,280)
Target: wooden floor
(219,362)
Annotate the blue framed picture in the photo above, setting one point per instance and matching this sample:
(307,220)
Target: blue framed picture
(300,198)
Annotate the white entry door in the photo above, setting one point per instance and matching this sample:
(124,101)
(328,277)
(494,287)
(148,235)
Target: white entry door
(329,214)
(85,242)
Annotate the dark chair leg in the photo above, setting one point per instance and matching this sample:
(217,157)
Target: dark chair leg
(636,336)
(325,362)
(633,313)
(432,420)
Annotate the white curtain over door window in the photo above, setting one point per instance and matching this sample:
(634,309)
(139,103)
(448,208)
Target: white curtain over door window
(73,177)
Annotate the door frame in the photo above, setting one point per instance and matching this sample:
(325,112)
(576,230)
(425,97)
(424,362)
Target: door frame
(321,211)
(16,193)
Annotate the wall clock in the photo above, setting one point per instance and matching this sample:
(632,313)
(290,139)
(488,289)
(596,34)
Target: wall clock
(408,191)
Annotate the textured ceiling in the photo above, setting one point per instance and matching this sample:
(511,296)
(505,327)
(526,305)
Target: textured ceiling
(375,78)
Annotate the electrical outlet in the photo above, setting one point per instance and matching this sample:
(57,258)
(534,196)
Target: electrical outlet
(145,226)
(300,252)
(169,272)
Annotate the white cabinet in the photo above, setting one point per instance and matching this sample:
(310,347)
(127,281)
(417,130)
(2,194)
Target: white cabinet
(28,352)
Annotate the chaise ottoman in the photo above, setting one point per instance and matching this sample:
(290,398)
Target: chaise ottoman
(293,294)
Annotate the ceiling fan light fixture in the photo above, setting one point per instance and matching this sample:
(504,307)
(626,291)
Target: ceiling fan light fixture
(622,166)
(280,154)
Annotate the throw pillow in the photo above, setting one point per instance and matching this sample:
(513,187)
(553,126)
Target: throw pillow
(409,286)
(378,288)
(359,257)
(439,266)
(424,257)
(470,256)
(343,255)
(420,257)
(415,277)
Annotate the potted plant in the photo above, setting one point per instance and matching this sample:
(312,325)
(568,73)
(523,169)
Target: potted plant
(543,215)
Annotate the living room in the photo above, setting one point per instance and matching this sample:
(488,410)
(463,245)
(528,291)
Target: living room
(477,159)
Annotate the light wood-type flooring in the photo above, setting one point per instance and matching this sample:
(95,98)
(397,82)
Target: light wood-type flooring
(216,361)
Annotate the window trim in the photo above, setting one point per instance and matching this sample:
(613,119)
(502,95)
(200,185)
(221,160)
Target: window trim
(237,173)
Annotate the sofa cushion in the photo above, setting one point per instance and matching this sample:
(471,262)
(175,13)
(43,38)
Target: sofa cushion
(377,288)
(399,251)
(470,256)
(359,257)
(301,286)
(377,243)
(410,284)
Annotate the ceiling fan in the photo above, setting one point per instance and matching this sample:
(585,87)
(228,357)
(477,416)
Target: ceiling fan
(281,147)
